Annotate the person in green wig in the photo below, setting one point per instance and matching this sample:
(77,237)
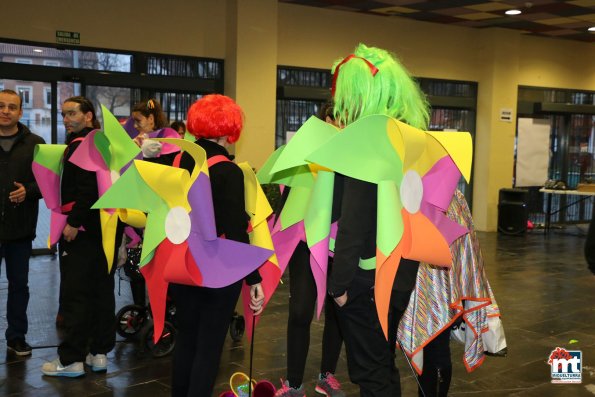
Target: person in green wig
(371,81)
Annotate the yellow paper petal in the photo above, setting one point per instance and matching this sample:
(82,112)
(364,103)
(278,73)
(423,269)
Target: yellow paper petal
(109,224)
(171,184)
(257,205)
(134,218)
(434,151)
(261,237)
(459,146)
(197,153)
(412,139)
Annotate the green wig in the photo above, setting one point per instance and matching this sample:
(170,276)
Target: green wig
(372,81)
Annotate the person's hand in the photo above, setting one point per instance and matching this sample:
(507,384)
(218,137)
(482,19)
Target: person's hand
(18,196)
(341,300)
(70,233)
(139,139)
(256,298)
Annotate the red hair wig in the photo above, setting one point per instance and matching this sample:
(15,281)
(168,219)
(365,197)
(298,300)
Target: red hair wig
(215,116)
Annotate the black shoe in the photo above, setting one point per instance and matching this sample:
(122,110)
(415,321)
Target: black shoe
(19,347)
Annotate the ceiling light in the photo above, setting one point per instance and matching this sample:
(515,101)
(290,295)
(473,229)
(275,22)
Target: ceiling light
(591,29)
(37,50)
(513,12)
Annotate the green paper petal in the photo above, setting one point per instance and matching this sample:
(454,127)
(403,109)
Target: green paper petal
(362,151)
(50,156)
(102,144)
(390,220)
(311,135)
(264,173)
(154,231)
(130,191)
(317,221)
(294,209)
(123,149)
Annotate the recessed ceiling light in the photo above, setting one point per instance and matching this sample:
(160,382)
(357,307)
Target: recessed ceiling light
(37,50)
(591,29)
(513,12)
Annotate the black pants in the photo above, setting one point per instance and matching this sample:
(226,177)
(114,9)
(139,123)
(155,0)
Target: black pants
(202,320)
(88,302)
(302,300)
(370,357)
(16,256)
(437,371)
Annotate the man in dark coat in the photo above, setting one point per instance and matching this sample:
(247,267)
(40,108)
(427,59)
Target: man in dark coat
(18,215)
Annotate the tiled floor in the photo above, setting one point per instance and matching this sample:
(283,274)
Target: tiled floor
(543,287)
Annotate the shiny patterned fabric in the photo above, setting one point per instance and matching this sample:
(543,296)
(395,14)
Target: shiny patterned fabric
(442,295)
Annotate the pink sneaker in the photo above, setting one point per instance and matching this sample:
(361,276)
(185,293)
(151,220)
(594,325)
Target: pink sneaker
(286,391)
(329,386)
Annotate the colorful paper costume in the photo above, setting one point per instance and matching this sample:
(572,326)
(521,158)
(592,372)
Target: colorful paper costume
(180,240)
(441,296)
(416,172)
(105,152)
(306,215)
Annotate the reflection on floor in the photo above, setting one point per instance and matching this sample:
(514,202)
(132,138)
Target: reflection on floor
(542,285)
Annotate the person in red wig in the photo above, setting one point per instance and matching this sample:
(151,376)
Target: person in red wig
(203,314)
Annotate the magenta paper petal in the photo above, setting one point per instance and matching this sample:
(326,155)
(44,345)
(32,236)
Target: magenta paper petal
(49,185)
(285,242)
(319,266)
(440,183)
(167,132)
(202,214)
(57,224)
(223,262)
(134,237)
(86,155)
(449,229)
(104,181)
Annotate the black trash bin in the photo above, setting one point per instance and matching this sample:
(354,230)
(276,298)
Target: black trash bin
(513,212)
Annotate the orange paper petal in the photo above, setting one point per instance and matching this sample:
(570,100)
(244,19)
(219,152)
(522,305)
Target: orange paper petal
(425,243)
(383,287)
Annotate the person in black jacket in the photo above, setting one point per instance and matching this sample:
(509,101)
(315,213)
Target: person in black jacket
(18,215)
(87,288)
(370,81)
(203,314)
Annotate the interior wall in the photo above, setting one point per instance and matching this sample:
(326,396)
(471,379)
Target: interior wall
(195,28)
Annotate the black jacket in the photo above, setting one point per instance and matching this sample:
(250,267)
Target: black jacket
(79,186)
(227,185)
(19,221)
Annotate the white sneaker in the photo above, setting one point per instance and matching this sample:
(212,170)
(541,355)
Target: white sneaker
(97,362)
(55,368)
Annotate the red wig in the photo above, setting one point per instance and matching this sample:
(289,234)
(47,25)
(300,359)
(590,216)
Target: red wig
(215,116)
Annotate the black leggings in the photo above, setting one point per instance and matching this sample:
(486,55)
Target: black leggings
(437,371)
(302,300)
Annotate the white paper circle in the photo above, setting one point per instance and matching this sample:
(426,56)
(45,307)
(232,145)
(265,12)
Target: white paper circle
(412,191)
(177,225)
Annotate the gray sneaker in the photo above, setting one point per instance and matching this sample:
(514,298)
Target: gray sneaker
(286,391)
(55,368)
(328,385)
(97,362)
